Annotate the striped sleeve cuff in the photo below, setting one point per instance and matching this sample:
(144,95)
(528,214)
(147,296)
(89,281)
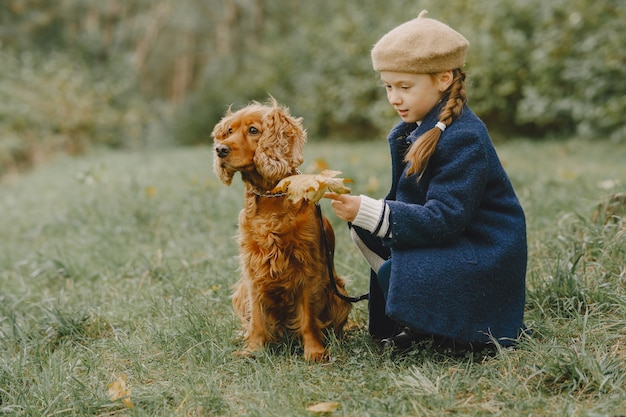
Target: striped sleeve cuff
(373,216)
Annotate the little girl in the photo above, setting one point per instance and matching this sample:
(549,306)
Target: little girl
(447,245)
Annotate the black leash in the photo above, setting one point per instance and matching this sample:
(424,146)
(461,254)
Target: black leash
(329,263)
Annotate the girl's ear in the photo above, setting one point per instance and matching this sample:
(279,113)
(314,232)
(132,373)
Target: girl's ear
(444,80)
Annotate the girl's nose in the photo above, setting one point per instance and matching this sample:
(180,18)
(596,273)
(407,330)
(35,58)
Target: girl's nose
(393,97)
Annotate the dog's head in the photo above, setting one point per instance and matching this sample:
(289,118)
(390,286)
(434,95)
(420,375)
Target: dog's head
(261,139)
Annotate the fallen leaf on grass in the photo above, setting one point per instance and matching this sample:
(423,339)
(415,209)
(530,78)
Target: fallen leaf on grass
(151,191)
(117,390)
(312,186)
(327,407)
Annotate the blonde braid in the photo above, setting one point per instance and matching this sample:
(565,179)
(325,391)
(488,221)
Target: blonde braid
(420,152)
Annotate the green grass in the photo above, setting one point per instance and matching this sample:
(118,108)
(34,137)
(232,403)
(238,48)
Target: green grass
(121,264)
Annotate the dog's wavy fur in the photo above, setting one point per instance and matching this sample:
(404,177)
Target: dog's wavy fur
(284,288)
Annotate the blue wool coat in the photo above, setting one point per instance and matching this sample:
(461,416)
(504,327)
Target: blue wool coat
(458,244)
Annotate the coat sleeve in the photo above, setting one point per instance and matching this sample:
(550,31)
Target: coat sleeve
(452,186)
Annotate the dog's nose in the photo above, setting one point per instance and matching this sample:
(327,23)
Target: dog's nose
(222,151)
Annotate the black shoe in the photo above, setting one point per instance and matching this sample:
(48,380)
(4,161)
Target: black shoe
(402,341)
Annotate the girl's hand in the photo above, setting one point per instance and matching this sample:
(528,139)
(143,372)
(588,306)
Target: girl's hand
(345,206)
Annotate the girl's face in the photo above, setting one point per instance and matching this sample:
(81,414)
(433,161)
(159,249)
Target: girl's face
(414,95)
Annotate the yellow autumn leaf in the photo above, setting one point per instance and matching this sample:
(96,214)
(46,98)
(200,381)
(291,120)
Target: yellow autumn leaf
(317,166)
(117,390)
(312,186)
(327,407)
(151,191)
(568,175)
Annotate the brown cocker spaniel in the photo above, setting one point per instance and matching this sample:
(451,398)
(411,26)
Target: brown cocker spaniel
(284,288)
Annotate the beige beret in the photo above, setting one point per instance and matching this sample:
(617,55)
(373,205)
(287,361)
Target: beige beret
(420,46)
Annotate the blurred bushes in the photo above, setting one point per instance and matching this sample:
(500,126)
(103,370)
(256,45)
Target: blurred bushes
(535,68)
(66,82)
(52,102)
(83,71)
(549,67)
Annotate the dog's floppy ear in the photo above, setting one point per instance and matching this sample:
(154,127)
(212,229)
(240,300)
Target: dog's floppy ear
(279,150)
(220,131)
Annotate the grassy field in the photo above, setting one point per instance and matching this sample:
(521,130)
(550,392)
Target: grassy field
(118,267)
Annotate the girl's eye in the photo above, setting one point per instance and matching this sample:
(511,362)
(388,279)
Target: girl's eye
(253,130)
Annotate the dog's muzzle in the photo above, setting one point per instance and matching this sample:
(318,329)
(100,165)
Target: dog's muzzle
(222,151)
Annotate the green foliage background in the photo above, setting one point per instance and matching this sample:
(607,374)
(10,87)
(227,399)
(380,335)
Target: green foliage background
(83,71)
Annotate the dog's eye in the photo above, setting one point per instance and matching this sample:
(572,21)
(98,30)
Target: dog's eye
(253,130)
(230,130)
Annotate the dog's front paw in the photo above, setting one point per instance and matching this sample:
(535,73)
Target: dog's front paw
(244,353)
(316,355)
(250,349)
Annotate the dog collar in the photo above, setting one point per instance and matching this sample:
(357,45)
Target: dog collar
(270,194)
